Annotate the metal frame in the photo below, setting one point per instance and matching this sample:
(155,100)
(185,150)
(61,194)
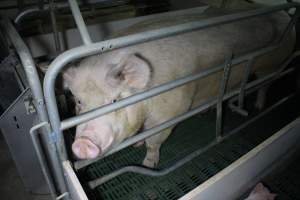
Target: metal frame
(92,48)
(38,101)
(53,134)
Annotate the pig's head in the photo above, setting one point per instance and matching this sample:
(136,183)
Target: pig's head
(101,80)
(260,192)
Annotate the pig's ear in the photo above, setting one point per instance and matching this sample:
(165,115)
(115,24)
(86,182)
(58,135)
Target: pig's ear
(133,71)
(68,77)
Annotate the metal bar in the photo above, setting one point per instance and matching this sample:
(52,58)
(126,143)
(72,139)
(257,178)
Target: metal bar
(54,26)
(155,130)
(42,161)
(34,83)
(79,52)
(290,26)
(73,121)
(79,22)
(222,91)
(152,172)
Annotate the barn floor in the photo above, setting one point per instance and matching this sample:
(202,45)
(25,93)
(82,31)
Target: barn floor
(11,186)
(189,136)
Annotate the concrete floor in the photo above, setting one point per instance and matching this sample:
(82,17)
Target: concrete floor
(11,186)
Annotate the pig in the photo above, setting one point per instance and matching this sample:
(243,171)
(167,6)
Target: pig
(260,192)
(108,77)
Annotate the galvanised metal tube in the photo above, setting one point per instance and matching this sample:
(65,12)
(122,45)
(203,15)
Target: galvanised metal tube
(79,22)
(152,172)
(222,91)
(37,146)
(73,121)
(35,85)
(54,26)
(155,130)
(79,52)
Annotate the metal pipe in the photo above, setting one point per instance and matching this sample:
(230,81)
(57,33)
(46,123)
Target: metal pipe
(80,22)
(79,52)
(155,130)
(42,161)
(70,122)
(54,26)
(222,91)
(34,83)
(152,172)
(25,13)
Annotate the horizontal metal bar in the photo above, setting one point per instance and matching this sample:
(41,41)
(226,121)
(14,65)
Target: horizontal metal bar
(73,121)
(35,86)
(80,22)
(76,53)
(80,52)
(152,172)
(155,130)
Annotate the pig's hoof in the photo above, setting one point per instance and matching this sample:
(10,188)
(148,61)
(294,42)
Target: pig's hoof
(84,148)
(150,162)
(138,144)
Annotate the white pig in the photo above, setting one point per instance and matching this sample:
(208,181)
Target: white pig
(260,192)
(107,77)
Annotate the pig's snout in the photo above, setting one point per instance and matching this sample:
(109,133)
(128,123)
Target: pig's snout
(84,148)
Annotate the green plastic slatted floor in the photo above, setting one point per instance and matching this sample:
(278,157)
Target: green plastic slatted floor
(189,136)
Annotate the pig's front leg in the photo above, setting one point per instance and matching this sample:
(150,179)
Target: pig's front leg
(153,146)
(261,98)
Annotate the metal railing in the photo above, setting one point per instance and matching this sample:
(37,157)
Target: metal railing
(38,101)
(54,133)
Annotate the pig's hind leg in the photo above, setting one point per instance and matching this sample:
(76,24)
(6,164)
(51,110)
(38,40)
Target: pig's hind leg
(153,144)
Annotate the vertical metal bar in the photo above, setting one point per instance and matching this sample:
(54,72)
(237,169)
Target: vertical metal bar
(42,161)
(35,85)
(54,26)
(222,90)
(244,82)
(79,22)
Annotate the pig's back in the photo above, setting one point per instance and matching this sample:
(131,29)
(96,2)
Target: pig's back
(180,55)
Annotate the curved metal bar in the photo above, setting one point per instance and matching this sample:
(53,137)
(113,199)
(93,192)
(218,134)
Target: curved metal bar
(79,52)
(30,11)
(152,172)
(35,85)
(25,13)
(169,123)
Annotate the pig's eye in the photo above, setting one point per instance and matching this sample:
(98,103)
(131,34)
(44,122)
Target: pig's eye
(78,102)
(114,101)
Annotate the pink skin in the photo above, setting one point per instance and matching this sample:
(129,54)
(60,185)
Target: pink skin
(89,143)
(260,192)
